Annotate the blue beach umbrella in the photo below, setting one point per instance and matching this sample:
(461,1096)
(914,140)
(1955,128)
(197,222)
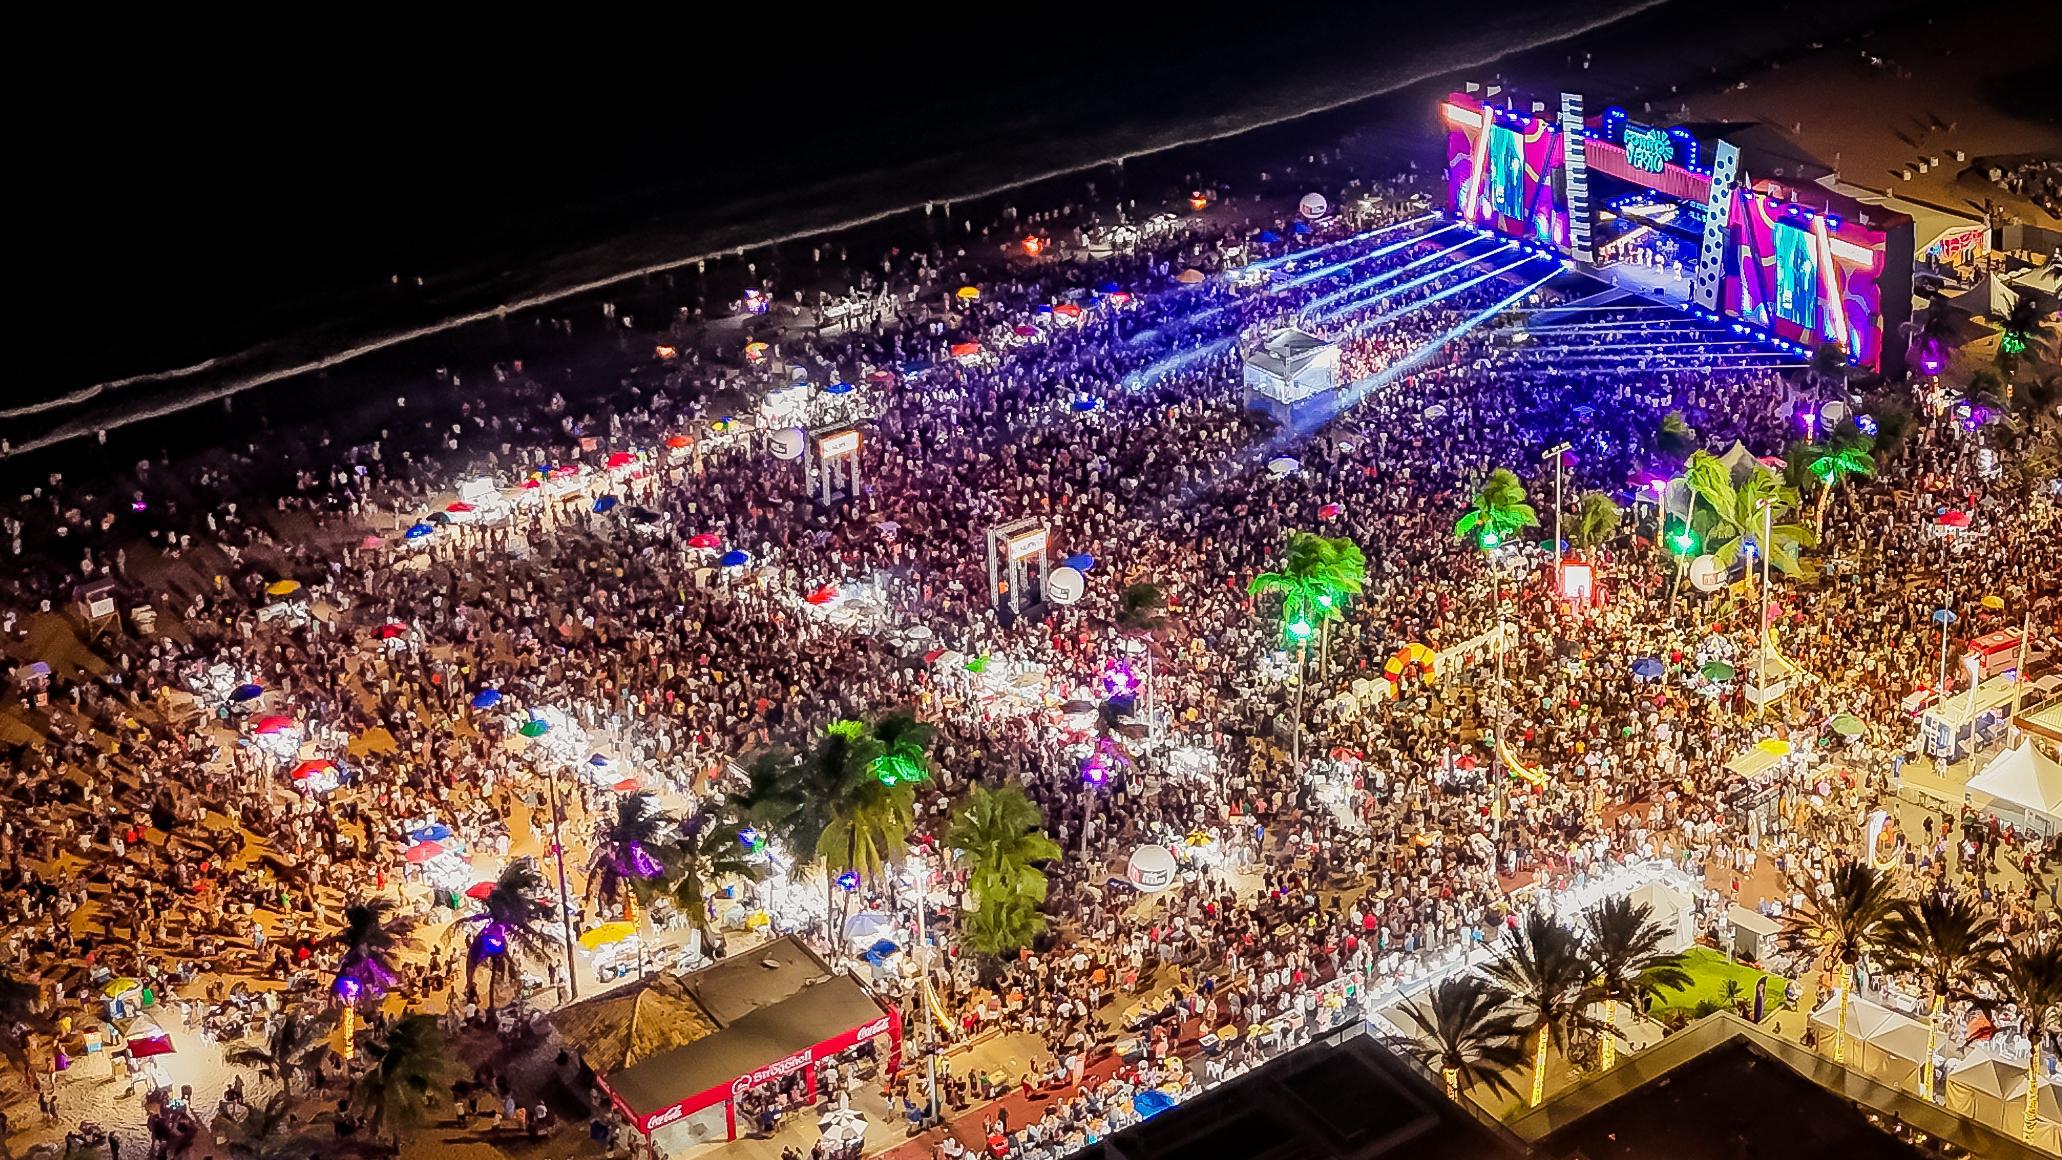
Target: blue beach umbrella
(418,531)
(244,693)
(1944,616)
(604,503)
(1107,288)
(431,833)
(486,698)
(1299,227)
(1268,237)
(1085,403)
(838,388)
(735,558)
(1647,668)
(1080,562)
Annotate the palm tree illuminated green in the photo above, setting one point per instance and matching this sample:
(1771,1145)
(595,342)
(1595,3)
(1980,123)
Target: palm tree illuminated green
(1735,517)
(409,1064)
(1002,926)
(1946,944)
(1466,1032)
(1317,575)
(509,929)
(1834,466)
(2027,330)
(1497,511)
(1841,928)
(1623,943)
(904,745)
(2030,978)
(1000,832)
(1549,978)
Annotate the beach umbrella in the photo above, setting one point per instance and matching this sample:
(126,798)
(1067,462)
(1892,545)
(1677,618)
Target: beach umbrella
(676,442)
(968,293)
(704,540)
(282,588)
(486,698)
(619,459)
(423,851)
(1993,602)
(392,629)
(1085,403)
(372,542)
(1189,277)
(478,891)
(310,768)
(242,693)
(602,761)
(1151,1103)
(1435,411)
(1329,512)
(1773,746)
(1042,308)
(1267,237)
(1944,616)
(1282,465)
(1718,671)
(534,728)
(1847,725)
(116,988)
(643,515)
(1079,561)
(271,725)
(440,519)
(838,388)
(607,934)
(1953,519)
(963,349)
(532,484)
(1068,309)
(419,530)
(1024,330)
(628,785)
(735,558)
(459,508)
(435,832)
(823,595)
(1647,668)
(604,503)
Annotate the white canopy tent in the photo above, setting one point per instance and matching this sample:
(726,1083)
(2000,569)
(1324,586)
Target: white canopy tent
(1671,910)
(2022,782)
(1881,1044)
(1985,1088)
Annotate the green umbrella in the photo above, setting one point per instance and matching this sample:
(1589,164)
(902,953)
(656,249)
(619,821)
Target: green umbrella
(978,664)
(534,729)
(1847,725)
(1719,671)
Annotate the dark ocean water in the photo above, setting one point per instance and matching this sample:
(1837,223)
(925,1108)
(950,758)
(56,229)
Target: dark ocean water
(252,216)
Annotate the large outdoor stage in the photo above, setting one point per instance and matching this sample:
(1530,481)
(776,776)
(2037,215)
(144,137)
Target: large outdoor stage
(1706,218)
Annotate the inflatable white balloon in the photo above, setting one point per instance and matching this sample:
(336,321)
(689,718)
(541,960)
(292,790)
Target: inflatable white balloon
(787,443)
(1313,206)
(1065,585)
(1705,574)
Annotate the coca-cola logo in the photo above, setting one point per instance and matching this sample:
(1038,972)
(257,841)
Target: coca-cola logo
(872,1029)
(666,1117)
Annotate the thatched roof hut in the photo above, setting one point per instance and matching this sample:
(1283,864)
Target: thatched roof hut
(625,1026)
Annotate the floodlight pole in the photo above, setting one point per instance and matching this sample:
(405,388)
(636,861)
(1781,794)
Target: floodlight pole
(565,897)
(1558,454)
(1768,517)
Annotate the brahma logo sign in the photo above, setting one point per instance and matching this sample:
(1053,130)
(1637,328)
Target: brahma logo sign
(666,1117)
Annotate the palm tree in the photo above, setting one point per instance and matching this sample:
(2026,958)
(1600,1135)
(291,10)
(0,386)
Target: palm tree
(1947,944)
(1829,365)
(2030,978)
(1548,975)
(1736,516)
(1623,943)
(267,1132)
(1002,925)
(1596,520)
(1841,928)
(2027,329)
(1317,574)
(373,933)
(394,1094)
(869,827)
(628,853)
(1497,511)
(776,801)
(1834,466)
(1675,438)
(510,927)
(999,832)
(292,1044)
(1465,1031)
(706,851)
(1933,337)
(905,748)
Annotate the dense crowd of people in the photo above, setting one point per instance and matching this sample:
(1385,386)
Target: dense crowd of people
(150,833)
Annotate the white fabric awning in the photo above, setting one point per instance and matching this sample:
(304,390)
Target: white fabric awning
(2024,777)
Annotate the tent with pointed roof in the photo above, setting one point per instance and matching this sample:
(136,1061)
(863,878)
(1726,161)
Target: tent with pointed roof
(2020,781)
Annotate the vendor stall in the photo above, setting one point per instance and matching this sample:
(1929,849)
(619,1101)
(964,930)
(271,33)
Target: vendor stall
(2023,785)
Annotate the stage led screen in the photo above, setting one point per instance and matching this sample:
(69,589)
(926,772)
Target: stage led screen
(1797,276)
(1805,276)
(1504,171)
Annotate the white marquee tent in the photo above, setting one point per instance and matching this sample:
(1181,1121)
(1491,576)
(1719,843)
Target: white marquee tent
(1881,1044)
(2022,781)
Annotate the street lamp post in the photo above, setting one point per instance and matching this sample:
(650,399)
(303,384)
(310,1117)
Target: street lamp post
(1300,629)
(1768,519)
(1559,454)
(565,897)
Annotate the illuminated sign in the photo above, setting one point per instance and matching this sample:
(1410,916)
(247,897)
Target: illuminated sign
(1027,545)
(838,445)
(1649,150)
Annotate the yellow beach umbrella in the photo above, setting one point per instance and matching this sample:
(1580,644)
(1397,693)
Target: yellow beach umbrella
(1773,746)
(283,587)
(116,988)
(1994,602)
(969,293)
(606,934)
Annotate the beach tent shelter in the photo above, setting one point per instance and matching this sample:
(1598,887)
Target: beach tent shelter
(1291,369)
(1754,934)
(2022,785)
(1670,910)
(1986,1089)
(1881,1044)
(625,1027)
(1991,297)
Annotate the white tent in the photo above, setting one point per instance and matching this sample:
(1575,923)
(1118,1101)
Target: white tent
(1985,1088)
(1670,910)
(2022,780)
(1881,1043)
(2046,279)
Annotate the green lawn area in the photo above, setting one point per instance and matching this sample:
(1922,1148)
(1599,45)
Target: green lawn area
(1709,971)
